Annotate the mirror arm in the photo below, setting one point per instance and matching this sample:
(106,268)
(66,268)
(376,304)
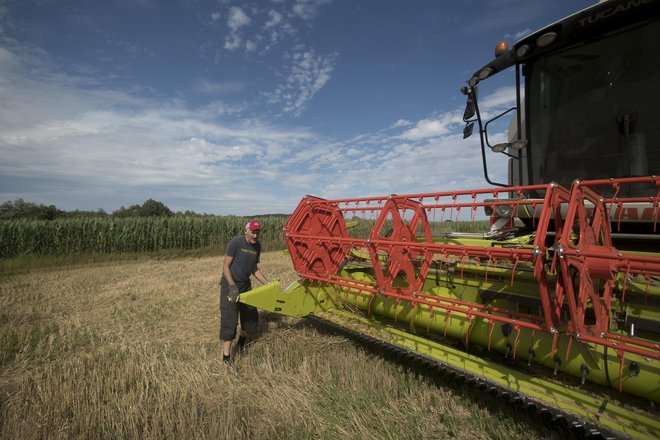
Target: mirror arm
(519,123)
(494,119)
(483,145)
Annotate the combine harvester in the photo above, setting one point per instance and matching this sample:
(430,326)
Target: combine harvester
(557,306)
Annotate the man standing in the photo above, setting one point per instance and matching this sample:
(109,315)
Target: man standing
(241,260)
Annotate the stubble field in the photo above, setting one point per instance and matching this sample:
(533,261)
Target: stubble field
(129,350)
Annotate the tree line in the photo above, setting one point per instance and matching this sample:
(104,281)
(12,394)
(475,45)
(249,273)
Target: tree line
(19,209)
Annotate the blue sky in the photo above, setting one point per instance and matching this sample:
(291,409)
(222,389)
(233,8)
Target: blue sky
(243,107)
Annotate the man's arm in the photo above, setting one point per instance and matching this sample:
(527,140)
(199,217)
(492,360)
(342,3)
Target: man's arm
(225,270)
(260,276)
(233,293)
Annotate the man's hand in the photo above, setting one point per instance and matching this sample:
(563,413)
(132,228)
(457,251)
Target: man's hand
(233,294)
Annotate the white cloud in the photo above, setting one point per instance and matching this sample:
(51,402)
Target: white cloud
(308,9)
(259,30)
(207,151)
(497,101)
(522,34)
(401,123)
(433,127)
(308,74)
(134,50)
(7,57)
(233,42)
(276,28)
(66,143)
(237,18)
(274,19)
(73,142)
(250,46)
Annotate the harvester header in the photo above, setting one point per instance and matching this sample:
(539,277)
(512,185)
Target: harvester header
(545,288)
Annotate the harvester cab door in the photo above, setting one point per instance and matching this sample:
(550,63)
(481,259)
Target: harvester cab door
(593,110)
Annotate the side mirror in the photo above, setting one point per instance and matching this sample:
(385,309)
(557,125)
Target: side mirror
(469,110)
(470,104)
(467,131)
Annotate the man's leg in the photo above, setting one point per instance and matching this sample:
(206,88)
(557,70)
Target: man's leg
(248,316)
(240,344)
(249,320)
(226,352)
(228,321)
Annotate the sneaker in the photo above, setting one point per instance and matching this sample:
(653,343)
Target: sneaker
(226,359)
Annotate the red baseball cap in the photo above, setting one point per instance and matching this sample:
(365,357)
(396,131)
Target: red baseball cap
(253,226)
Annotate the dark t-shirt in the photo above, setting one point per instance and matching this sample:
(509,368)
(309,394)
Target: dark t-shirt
(246,257)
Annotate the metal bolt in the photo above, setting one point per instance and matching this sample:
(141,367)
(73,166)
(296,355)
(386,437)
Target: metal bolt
(585,373)
(557,360)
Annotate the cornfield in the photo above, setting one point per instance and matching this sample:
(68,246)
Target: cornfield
(128,235)
(360,228)
(152,234)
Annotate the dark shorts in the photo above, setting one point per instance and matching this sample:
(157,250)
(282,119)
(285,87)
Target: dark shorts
(230,313)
